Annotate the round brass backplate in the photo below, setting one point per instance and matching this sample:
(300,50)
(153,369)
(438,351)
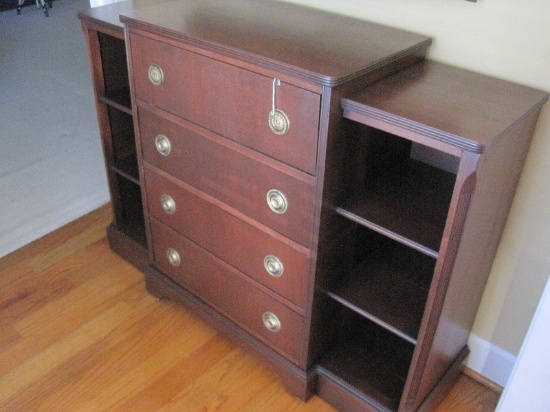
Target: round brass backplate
(278,122)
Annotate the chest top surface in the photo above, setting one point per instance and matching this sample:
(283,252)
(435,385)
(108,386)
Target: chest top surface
(319,46)
(465,109)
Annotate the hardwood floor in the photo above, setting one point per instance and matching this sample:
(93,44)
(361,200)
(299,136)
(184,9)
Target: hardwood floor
(79,332)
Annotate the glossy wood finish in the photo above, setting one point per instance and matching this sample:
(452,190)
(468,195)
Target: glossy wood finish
(194,89)
(294,40)
(398,158)
(464,109)
(197,97)
(238,177)
(107,54)
(118,348)
(230,292)
(403,105)
(106,19)
(237,242)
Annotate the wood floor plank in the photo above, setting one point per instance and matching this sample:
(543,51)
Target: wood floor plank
(271,397)
(234,371)
(55,246)
(181,375)
(81,333)
(53,321)
(45,362)
(29,293)
(469,395)
(161,351)
(129,358)
(9,336)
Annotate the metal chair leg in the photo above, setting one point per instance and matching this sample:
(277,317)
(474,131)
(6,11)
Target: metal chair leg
(40,4)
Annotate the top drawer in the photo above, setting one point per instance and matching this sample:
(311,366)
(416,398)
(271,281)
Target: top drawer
(228,100)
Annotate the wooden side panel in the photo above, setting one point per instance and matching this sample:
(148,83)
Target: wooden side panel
(98,81)
(497,175)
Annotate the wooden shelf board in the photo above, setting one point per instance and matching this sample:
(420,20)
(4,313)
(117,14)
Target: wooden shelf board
(372,369)
(389,287)
(119,99)
(128,168)
(409,204)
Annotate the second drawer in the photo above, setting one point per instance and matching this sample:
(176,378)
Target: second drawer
(272,262)
(223,287)
(234,175)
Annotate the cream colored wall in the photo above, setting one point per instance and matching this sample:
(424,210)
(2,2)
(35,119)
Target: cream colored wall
(509,39)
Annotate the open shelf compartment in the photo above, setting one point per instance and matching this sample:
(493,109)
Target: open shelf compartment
(409,203)
(124,157)
(389,287)
(129,213)
(402,195)
(115,72)
(371,363)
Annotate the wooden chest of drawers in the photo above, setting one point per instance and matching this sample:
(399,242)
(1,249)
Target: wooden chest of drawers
(230,198)
(317,191)
(232,168)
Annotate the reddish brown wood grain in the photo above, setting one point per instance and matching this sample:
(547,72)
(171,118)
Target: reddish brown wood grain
(363,106)
(242,245)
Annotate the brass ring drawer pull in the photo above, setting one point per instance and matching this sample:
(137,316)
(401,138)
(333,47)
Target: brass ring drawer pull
(173,257)
(163,145)
(156,75)
(168,204)
(273,266)
(277,202)
(271,322)
(278,122)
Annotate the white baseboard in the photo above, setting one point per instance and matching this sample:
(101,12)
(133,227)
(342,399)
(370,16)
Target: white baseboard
(489,360)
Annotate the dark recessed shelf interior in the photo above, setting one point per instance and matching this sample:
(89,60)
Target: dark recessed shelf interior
(119,99)
(124,157)
(128,167)
(389,287)
(129,213)
(408,203)
(115,69)
(115,73)
(372,363)
(135,230)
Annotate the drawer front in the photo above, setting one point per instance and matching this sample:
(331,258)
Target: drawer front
(224,288)
(236,179)
(243,246)
(228,100)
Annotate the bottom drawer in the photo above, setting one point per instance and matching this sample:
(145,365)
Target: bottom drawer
(229,291)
